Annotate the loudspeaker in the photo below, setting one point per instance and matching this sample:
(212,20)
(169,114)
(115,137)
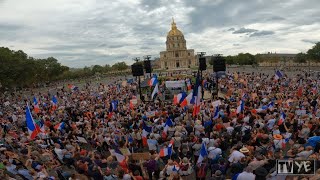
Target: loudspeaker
(219,64)
(202,64)
(147,66)
(137,70)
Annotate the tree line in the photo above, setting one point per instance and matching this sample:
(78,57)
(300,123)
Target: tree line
(18,70)
(312,54)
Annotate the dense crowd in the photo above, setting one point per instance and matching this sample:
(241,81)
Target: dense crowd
(98,132)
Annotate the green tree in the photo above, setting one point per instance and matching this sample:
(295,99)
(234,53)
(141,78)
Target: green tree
(97,69)
(314,52)
(230,60)
(301,58)
(120,66)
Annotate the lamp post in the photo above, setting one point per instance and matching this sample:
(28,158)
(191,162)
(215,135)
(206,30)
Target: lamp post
(137,59)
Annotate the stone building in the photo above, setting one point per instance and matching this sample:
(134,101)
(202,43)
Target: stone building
(176,55)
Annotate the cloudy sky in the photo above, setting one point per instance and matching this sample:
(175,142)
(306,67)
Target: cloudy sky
(86,32)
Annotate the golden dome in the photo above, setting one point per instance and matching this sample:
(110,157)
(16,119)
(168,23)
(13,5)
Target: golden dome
(174,30)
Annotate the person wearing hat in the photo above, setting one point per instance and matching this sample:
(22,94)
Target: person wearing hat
(235,156)
(277,141)
(217,175)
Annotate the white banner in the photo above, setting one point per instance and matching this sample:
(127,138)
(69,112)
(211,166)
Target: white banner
(151,114)
(175,84)
(216,103)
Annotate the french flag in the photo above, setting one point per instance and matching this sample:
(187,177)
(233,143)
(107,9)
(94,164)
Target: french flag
(178,98)
(187,100)
(240,108)
(271,105)
(216,113)
(72,87)
(196,100)
(203,153)
(54,102)
(282,118)
(153,81)
(146,130)
(118,154)
(36,108)
(59,126)
(166,151)
(114,105)
(155,91)
(314,90)
(189,87)
(33,128)
(166,127)
(278,75)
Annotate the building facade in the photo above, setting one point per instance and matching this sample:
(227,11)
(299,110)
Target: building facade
(176,55)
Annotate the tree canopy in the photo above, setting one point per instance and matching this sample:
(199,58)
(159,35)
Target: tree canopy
(20,70)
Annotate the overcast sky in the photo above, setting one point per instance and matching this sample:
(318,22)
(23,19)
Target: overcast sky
(86,32)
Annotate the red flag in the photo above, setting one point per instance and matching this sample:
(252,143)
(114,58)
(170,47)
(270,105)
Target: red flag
(299,93)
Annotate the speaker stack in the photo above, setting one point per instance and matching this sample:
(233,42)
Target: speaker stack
(147,66)
(202,63)
(137,69)
(219,64)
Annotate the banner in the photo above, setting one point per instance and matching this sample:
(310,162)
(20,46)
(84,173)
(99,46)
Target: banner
(175,84)
(216,103)
(150,114)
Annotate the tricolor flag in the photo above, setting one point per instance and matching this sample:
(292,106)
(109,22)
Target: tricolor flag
(146,130)
(155,91)
(153,81)
(166,127)
(118,154)
(314,90)
(72,87)
(240,108)
(189,87)
(187,100)
(203,153)
(41,125)
(167,151)
(114,105)
(36,108)
(59,126)
(278,75)
(54,102)
(282,118)
(271,105)
(196,99)
(216,113)
(178,98)
(33,128)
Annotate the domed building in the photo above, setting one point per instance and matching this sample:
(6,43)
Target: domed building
(177,55)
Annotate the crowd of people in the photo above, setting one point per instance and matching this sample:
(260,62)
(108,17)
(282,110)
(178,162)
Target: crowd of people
(97,131)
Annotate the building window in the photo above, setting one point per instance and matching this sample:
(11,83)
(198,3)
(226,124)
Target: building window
(165,64)
(177,64)
(177,54)
(165,55)
(189,62)
(188,54)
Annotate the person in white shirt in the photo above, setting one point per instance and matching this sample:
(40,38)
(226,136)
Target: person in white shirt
(213,152)
(247,174)
(235,156)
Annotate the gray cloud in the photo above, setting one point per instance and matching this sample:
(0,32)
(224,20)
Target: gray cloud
(309,41)
(261,33)
(99,32)
(244,31)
